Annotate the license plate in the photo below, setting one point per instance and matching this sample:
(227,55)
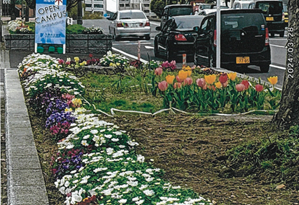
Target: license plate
(286,21)
(270,18)
(242,60)
(134,25)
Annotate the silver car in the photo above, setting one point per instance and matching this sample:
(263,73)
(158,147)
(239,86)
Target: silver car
(129,23)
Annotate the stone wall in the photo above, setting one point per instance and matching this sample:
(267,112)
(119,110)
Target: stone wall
(75,43)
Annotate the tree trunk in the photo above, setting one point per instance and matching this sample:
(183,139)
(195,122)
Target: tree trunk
(288,113)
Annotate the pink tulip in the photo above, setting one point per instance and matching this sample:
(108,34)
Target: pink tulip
(188,81)
(60,61)
(158,71)
(259,88)
(178,79)
(163,85)
(240,87)
(177,85)
(201,82)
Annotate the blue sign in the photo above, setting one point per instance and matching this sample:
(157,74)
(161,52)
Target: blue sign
(50,22)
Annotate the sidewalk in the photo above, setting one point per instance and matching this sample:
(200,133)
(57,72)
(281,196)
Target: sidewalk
(25,182)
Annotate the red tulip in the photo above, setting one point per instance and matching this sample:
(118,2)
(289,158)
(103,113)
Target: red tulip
(188,81)
(223,78)
(240,87)
(245,83)
(158,71)
(60,61)
(259,88)
(163,85)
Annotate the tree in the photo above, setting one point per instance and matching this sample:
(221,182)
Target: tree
(157,6)
(288,113)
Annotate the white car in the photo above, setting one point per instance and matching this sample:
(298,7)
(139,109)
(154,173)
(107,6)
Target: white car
(129,23)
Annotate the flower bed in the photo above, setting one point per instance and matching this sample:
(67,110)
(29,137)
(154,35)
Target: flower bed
(96,162)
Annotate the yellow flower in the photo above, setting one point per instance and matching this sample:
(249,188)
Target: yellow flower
(68,110)
(273,80)
(117,64)
(83,63)
(218,85)
(111,64)
(170,78)
(183,75)
(187,68)
(76,102)
(210,79)
(232,76)
(76,59)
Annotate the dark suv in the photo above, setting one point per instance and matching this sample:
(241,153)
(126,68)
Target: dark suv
(175,10)
(244,39)
(273,13)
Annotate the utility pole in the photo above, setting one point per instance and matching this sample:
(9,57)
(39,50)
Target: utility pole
(12,9)
(0,25)
(79,20)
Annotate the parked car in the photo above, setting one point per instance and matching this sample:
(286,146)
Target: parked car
(129,23)
(241,4)
(273,12)
(176,37)
(244,39)
(175,10)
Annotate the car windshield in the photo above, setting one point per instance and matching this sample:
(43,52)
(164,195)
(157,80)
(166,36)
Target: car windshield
(239,21)
(187,23)
(245,5)
(177,11)
(131,15)
(205,6)
(270,7)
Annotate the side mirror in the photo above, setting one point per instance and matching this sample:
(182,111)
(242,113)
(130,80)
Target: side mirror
(158,28)
(196,29)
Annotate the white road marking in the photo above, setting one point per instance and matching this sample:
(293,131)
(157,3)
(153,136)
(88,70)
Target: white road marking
(129,55)
(149,47)
(278,67)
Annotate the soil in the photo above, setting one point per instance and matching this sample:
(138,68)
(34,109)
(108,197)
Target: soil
(192,152)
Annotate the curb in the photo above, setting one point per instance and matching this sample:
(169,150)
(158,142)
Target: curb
(25,182)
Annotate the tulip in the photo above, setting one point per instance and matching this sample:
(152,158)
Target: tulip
(90,55)
(177,85)
(273,80)
(245,83)
(163,85)
(76,59)
(240,87)
(210,79)
(232,76)
(158,71)
(225,84)
(60,61)
(188,81)
(259,88)
(178,79)
(183,75)
(218,85)
(201,82)
(223,78)
(170,79)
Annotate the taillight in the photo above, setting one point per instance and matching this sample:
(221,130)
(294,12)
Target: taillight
(215,38)
(180,37)
(266,37)
(119,25)
(147,23)
(283,16)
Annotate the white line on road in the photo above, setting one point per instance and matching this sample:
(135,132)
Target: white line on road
(149,47)
(278,67)
(155,23)
(277,46)
(129,55)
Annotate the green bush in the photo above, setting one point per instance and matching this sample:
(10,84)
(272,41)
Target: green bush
(75,29)
(96,15)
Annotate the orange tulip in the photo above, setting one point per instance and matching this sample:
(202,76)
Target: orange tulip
(170,78)
(218,85)
(232,76)
(183,75)
(210,79)
(273,80)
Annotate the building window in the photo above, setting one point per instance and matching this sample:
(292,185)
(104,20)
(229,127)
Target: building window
(98,5)
(127,5)
(88,5)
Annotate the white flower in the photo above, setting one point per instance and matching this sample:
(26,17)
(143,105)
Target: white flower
(62,190)
(122,201)
(84,143)
(94,132)
(148,192)
(140,202)
(114,139)
(108,136)
(140,158)
(86,137)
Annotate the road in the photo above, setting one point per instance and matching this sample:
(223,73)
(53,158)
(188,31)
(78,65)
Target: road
(130,47)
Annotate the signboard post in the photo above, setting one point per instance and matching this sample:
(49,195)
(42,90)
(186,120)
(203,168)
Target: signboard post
(50,22)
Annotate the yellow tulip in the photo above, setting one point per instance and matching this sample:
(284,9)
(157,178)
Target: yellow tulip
(183,75)
(210,79)
(170,78)
(218,85)
(76,59)
(232,76)
(273,80)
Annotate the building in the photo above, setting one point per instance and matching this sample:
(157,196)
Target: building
(94,6)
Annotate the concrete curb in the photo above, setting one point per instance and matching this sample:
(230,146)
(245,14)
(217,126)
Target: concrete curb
(25,182)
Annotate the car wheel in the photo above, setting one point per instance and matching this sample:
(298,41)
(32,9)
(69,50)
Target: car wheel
(115,37)
(147,37)
(156,50)
(264,67)
(281,34)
